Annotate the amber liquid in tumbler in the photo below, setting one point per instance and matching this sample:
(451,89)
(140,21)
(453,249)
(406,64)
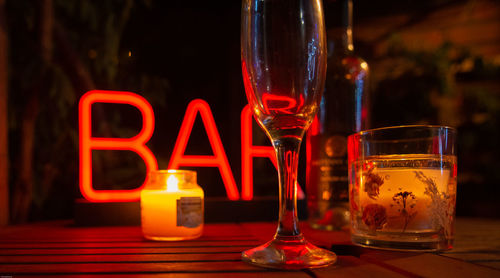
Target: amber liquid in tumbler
(404,201)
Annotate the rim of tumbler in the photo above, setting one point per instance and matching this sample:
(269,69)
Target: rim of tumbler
(429,127)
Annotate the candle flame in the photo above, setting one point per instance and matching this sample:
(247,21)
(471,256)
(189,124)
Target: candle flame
(172,183)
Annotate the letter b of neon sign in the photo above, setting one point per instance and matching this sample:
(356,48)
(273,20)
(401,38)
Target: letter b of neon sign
(136,143)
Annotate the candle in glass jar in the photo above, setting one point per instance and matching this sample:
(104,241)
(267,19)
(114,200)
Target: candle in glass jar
(172,206)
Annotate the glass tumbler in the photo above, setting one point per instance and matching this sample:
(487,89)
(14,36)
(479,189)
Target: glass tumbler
(402,187)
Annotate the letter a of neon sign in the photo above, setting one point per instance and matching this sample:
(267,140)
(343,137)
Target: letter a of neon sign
(218,159)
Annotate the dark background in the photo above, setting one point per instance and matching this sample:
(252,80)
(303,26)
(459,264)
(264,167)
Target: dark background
(172,52)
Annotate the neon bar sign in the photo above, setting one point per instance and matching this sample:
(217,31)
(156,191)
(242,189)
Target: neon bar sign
(178,159)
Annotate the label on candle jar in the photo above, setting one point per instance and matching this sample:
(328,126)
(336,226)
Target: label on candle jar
(189,212)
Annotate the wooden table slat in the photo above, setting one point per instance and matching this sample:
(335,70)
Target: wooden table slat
(64,229)
(87,268)
(429,265)
(162,250)
(487,259)
(137,238)
(256,274)
(348,266)
(177,257)
(205,243)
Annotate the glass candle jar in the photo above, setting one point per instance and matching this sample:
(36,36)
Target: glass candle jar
(172,206)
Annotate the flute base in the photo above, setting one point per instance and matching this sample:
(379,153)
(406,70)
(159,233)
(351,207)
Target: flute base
(291,253)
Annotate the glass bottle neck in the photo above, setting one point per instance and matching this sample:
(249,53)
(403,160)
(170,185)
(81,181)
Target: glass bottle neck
(340,41)
(340,31)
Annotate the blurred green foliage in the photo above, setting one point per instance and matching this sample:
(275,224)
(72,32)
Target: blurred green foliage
(447,86)
(87,53)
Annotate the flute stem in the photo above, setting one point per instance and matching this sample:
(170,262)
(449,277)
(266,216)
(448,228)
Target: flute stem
(287,152)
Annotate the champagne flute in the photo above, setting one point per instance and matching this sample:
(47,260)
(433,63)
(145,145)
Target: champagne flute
(283,54)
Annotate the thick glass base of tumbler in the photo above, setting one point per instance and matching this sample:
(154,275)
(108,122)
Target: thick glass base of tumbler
(292,253)
(407,243)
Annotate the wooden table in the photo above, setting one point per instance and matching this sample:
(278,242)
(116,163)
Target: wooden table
(57,248)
